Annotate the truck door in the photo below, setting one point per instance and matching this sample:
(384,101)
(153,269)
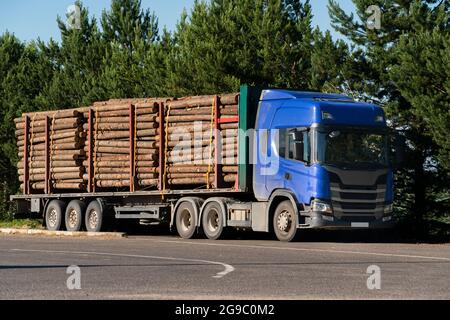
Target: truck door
(295,155)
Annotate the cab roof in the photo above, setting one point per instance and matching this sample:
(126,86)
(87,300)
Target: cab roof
(279,94)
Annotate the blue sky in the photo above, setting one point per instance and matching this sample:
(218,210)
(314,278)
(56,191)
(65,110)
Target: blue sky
(30,19)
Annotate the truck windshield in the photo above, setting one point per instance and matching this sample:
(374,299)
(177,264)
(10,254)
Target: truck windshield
(353,148)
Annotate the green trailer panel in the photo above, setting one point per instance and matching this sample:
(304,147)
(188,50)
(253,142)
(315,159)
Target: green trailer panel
(248,109)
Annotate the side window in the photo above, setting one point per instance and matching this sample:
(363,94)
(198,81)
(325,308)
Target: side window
(298,144)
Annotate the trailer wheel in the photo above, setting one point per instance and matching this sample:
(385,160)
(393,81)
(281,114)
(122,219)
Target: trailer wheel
(54,215)
(93,219)
(285,221)
(74,215)
(186,220)
(212,221)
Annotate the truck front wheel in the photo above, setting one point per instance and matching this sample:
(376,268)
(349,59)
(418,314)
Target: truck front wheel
(285,221)
(186,220)
(94,217)
(54,215)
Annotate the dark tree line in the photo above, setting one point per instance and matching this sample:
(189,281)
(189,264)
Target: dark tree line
(404,66)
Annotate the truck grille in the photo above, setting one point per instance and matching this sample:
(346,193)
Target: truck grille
(353,201)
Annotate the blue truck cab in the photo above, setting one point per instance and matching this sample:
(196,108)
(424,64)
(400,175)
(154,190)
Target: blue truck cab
(328,154)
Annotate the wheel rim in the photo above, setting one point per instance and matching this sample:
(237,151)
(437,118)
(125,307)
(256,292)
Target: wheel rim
(284,221)
(52,218)
(73,219)
(93,219)
(186,220)
(212,220)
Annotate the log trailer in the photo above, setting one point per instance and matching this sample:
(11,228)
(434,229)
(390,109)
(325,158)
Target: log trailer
(305,160)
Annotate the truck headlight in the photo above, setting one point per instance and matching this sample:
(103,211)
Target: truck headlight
(388,208)
(320,206)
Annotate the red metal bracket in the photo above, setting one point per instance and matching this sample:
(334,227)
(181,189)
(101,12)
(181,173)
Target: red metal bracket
(26,155)
(48,152)
(91,182)
(228,120)
(162,139)
(132,162)
(217,145)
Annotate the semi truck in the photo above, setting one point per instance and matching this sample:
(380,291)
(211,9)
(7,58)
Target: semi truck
(306,160)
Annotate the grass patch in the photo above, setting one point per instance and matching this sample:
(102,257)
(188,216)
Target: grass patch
(21,224)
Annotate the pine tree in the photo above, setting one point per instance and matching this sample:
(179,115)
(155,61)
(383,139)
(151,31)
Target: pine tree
(130,33)
(78,64)
(227,42)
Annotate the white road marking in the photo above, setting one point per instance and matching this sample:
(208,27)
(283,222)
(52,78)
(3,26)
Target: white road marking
(228,268)
(309,250)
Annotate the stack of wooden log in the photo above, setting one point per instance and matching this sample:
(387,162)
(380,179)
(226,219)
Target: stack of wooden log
(63,137)
(134,144)
(111,125)
(196,127)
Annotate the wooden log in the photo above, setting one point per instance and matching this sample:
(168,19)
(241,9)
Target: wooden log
(230,178)
(53,164)
(125,134)
(54,158)
(113,150)
(60,185)
(225,99)
(187,144)
(126,120)
(231,110)
(39,116)
(197,101)
(121,126)
(225,126)
(177,136)
(40,137)
(140,110)
(146,132)
(190,181)
(229,169)
(55,146)
(146,157)
(112,183)
(229,161)
(120,164)
(75,153)
(125,170)
(74,125)
(54,176)
(53,170)
(148,182)
(124,105)
(57,123)
(122,176)
(188,118)
(232,98)
(126,144)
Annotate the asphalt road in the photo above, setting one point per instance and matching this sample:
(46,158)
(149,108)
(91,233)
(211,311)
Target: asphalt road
(166,267)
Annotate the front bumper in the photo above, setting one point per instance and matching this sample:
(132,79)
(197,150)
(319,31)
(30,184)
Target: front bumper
(318,221)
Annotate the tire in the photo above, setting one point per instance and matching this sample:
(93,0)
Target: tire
(93,219)
(212,221)
(285,221)
(74,216)
(54,215)
(186,220)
